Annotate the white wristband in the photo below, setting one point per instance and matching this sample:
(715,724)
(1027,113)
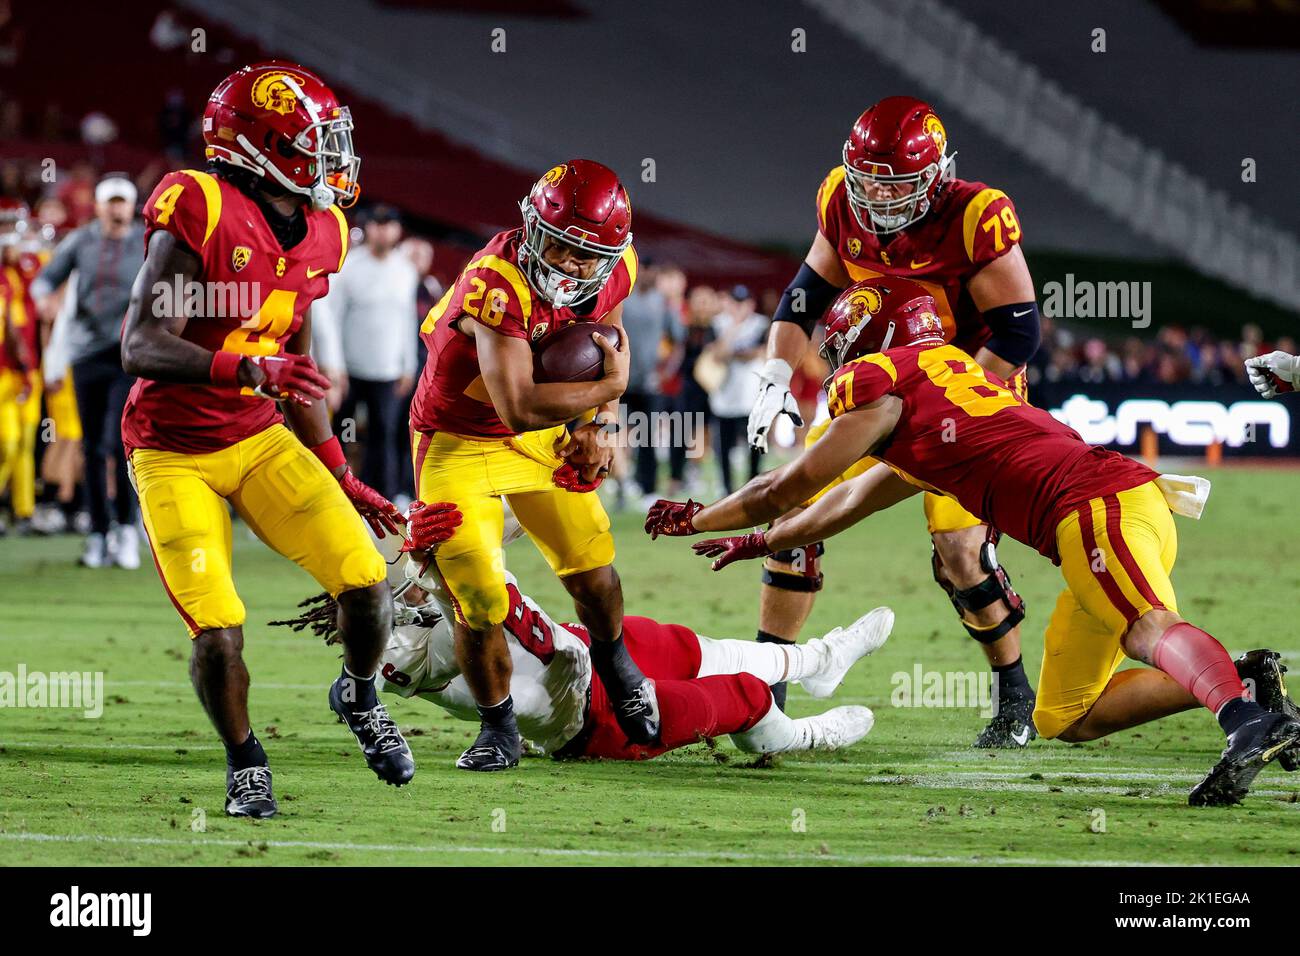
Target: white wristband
(778,372)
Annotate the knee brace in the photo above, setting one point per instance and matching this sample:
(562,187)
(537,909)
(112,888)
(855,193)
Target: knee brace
(995,587)
(795,569)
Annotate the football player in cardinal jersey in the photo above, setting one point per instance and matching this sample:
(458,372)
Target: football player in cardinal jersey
(483,430)
(705,687)
(202,427)
(938,422)
(894,208)
(20,379)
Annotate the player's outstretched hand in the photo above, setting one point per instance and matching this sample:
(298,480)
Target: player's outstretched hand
(672,518)
(289,377)
(1274,373)
(429,525)
(774,400)
(741,547)
(379,512)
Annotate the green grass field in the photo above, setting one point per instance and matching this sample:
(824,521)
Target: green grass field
(143,784)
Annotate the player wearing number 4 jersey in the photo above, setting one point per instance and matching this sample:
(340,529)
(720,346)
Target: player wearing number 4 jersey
(940,423)
(893,208)
(218,331)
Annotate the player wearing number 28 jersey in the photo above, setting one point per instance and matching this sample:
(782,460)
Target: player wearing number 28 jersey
(218,331)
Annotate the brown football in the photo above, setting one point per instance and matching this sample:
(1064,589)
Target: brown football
(570,355)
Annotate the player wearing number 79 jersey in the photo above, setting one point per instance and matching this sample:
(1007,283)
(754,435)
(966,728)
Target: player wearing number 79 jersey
(218,330)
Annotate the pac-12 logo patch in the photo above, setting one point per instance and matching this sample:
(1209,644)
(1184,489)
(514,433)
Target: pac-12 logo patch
(855,247)
(240,257)
(538,330)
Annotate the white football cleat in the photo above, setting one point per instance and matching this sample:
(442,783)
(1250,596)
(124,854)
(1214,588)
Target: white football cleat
(838,727)
(843,647)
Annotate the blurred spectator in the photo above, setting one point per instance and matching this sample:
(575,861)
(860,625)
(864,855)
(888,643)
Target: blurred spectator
(691,398)
(372,302)
(740,337)
(106,255)
(651,323)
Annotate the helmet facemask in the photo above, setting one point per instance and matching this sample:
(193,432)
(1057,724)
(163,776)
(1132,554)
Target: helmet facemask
(327,142)
(887,216)
(554,284)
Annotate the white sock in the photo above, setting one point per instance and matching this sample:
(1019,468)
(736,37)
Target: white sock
(770,663)
(775,733)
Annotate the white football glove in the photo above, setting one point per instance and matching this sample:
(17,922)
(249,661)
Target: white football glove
(774,399)
(1273,373)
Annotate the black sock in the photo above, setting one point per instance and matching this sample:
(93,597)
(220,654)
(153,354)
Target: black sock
(1236,712)
(1011,679)
(245,755)
(366,697)
(500,716)
(778,690)
(615,667)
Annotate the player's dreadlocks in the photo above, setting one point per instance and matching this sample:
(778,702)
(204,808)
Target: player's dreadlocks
(322,616)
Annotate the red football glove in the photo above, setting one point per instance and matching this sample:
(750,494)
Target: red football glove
(428,526)
(569,477)
(381,513)
(290,377)
(672,518)
(739,548)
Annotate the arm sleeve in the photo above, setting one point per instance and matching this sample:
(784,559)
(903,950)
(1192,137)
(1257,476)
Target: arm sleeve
(1016,331)
(805,299)
(59,268)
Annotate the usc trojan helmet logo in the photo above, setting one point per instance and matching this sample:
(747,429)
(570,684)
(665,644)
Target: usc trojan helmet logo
(864,301)
(271,92)
(239,257)
(554,174)
(934,129)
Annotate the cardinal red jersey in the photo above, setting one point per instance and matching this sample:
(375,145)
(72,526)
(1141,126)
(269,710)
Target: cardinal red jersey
(18,316)
(967,227)
(251,295)
(493,291)
(963,433)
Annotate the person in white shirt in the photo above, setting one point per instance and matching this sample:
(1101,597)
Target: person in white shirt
(739,343)
(371,328)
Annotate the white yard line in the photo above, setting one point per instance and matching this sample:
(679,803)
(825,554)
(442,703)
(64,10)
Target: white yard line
(811,857)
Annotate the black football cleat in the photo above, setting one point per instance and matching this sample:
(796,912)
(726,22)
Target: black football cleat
(637,713)
(1012,726)
(493,749)
(248,793)
(382,744)
(1263,670)
(1250,747)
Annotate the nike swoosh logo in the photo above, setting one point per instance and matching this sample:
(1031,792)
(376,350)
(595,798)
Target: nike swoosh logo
(313,273)
(1016,315)
(1021,738)
(921,265)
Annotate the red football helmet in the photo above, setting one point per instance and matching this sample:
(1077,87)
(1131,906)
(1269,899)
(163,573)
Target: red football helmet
(582,204)
(281,120)
(894,161)
(878,314)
